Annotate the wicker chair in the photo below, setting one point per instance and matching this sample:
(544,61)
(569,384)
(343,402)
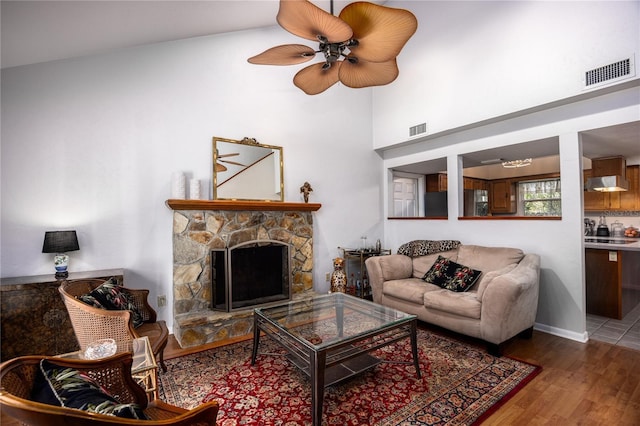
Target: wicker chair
(90,323)
(113,374)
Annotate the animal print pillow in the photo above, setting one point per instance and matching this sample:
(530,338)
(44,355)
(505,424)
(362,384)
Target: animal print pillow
(418,248)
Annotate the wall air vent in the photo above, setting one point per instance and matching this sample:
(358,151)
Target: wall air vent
(608,74)
(418,129)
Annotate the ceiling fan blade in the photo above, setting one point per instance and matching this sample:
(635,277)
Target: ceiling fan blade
(308,21)
(381,31)
(286,54)
(220,167)
(365,74)
(233,162)
(313,79)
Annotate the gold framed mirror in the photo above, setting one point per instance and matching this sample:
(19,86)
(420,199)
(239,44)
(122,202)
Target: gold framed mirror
(247,170)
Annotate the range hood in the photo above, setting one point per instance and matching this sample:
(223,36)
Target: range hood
(608,175)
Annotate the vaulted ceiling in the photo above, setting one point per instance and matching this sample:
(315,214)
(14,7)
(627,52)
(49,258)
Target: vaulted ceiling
(42,31)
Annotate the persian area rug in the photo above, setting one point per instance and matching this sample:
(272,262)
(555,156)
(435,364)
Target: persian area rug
(461,385)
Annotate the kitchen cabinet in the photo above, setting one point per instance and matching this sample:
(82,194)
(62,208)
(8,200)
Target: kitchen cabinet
(612,289)
(437,182)
(630,200)
(624,200)
(474,184)
(502,196)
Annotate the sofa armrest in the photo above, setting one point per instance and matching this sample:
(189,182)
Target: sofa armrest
(510,301)
(385,268)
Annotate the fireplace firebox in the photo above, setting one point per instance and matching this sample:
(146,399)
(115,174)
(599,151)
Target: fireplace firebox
(250,274)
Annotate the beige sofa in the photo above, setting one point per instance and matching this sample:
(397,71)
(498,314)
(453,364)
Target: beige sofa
(501,304)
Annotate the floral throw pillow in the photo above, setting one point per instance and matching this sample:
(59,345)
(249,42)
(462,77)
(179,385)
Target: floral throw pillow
(111,296)
(450,275)
(463,279)
(67,387)
(439,273)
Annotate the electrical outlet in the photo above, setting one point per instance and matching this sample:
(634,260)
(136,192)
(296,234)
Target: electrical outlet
(327,277)
(162,301)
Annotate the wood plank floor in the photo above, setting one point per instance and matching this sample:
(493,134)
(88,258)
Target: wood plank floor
(593,383)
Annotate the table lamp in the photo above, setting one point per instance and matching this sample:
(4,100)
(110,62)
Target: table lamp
(60,242)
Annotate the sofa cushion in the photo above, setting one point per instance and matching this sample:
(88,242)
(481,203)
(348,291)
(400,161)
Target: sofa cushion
(422,264)
(67,387)
(488,258)
(463,304)
(417,248)
(395,266)
(409,289)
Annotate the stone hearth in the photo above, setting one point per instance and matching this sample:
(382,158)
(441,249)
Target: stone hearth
(200,226)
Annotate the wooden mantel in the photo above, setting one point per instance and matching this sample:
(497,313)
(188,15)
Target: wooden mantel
(241,205)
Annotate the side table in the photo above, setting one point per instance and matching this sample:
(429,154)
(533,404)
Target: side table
(357,279)
(144,368)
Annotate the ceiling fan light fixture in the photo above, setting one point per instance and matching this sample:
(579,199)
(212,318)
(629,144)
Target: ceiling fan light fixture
(359,47)
(513,164)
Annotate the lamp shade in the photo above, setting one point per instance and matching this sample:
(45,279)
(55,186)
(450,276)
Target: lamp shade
(60,242)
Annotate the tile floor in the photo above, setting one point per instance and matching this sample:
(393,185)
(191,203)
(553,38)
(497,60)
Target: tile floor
(624,332)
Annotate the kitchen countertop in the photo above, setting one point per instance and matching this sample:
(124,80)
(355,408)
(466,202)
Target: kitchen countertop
(629,244)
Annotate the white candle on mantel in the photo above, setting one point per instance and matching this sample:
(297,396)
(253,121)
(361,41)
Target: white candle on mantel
(178,186)
(194,189)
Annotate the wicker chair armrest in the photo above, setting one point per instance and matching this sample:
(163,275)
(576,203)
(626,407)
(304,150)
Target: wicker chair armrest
(112,373)
(202,415)
(38,414)
(140,298)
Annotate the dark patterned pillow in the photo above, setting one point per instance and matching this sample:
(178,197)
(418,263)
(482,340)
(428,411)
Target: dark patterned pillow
(111,296)
(439,272)
(450,275)
(463,279)
(66,387)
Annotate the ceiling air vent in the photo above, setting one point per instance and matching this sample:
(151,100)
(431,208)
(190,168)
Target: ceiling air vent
(609,73)
(418,129)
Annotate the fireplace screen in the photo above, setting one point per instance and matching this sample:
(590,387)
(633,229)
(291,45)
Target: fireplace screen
(250,274)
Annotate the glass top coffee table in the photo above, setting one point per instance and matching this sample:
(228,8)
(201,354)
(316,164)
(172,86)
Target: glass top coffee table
(332,337)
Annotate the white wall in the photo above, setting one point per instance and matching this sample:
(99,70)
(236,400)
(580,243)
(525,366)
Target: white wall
(561,309)
(90,144)
(472,62)
(476,60)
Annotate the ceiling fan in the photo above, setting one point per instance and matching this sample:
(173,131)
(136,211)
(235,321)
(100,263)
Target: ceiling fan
(221,167)
(360,45)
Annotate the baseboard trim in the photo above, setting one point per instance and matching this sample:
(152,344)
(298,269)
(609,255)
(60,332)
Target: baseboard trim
(561,332)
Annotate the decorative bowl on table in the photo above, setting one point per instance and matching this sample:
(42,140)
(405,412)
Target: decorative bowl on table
(100,349)
(631,232)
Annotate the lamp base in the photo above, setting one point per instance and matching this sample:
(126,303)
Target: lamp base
(61,261)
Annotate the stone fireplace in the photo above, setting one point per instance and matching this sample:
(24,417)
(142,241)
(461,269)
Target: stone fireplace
(202,227)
